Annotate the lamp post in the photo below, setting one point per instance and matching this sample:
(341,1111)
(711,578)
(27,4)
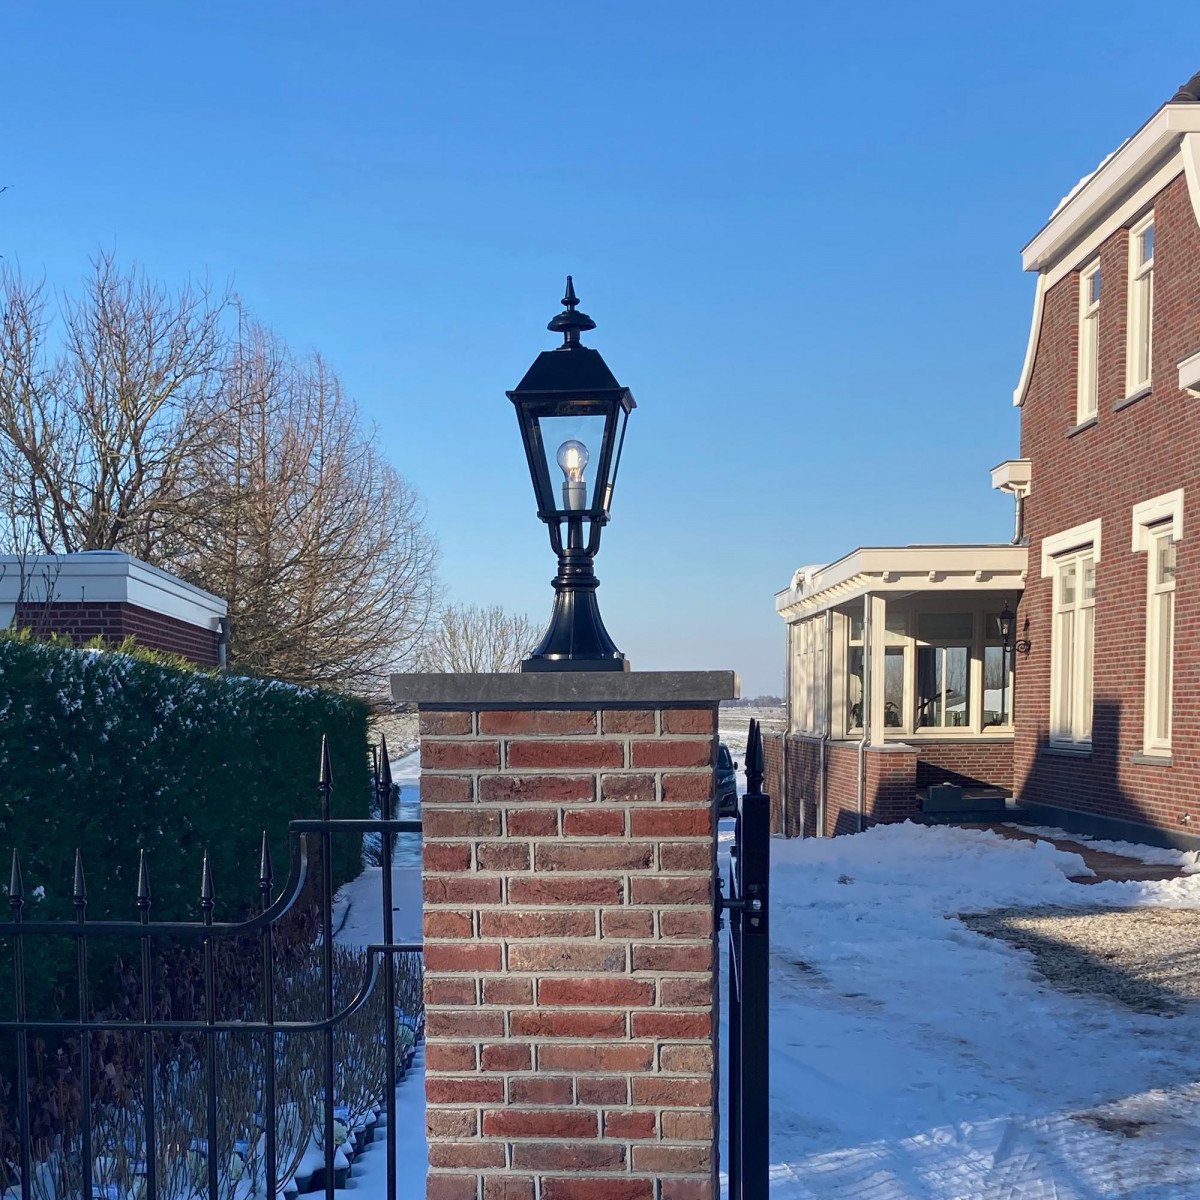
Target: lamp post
(572,413)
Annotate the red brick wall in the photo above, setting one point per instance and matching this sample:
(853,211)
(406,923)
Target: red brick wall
(892,779)
(114,622)
(569,953)
(965,763)
(1131,455)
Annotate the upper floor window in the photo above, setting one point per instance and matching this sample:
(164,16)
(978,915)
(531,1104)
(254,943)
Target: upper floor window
(1072,646)
(1087,395)
(1141,306)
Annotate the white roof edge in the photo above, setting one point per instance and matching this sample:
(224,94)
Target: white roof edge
(868,568)
(1155,141)
(108,576)
(1012,473)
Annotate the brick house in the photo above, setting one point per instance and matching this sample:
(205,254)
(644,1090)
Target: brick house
(107,594)
(1107,712)
(1103,731)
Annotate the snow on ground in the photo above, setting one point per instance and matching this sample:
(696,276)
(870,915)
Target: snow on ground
(1188,861)
(358,917)
(912,1059)
(368,1176)
(358,906)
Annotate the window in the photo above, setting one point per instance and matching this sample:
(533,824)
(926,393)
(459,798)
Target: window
(1087,396)
(997,675)
(1160,636)
(1072,647)
(854,673)
(894,635)
(944,670)
(808,679)
(1141,306)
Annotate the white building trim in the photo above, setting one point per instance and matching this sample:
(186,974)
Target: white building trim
(1189,374)
(903,569)
(1167,507)
(1087,534)
(1145,154)
(1113,196)
(104,577)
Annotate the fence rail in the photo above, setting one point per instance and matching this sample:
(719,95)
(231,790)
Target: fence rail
(185,1054)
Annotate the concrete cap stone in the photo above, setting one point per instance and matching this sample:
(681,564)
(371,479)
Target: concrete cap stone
(557,689)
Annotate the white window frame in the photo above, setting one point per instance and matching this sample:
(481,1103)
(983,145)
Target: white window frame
(1139,320)
(1072,700)
(1087,394)
(1153,521)
(1071,715)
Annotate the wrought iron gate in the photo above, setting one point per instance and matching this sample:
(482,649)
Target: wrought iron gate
(198,1155)
(748,1116)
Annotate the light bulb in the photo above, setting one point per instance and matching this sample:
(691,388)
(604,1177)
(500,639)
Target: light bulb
(573,458)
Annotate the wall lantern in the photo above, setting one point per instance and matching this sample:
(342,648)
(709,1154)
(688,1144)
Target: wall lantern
(573,414)
(1006,622)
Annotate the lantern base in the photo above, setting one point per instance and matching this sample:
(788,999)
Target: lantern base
(576,639)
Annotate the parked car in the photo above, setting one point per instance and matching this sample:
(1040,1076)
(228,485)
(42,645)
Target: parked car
(727,797)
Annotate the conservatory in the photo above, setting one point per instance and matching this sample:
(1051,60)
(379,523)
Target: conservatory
(900,674)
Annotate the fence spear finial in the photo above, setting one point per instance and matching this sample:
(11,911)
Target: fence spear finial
(16,886)
(143,884)
(266,871)
(325,784)
(754,757)
(385,763)
(79,891)
(206,884)
(326,765)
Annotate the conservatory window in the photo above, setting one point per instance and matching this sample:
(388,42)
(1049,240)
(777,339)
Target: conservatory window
(943,672)
(855,657)
(997,675)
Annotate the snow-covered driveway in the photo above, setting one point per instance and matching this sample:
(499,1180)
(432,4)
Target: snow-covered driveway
(912,1058)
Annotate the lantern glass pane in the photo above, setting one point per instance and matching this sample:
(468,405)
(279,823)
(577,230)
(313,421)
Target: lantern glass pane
(573,448)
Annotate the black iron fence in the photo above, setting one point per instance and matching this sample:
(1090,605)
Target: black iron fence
(748,1114)
(261,1061)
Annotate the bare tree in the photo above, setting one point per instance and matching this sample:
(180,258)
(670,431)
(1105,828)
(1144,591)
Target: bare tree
(96,440)
(318,545)
(134,423)
(478,639)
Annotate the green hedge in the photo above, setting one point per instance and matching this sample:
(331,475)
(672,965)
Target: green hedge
(113,752)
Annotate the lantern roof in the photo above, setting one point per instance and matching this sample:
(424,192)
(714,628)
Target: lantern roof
(572,368)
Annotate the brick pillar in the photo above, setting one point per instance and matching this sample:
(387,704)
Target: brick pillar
(569,946)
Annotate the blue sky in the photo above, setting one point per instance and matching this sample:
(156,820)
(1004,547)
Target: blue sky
(796,225)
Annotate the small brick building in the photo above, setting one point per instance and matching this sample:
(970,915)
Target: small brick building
(1102,670)
(107,594)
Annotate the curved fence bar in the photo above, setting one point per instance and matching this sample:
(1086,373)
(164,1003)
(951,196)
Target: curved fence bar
(163,1054)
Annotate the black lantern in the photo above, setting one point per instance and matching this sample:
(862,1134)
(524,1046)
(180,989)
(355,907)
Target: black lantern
(1006,620)
(573,414)
(1007,623)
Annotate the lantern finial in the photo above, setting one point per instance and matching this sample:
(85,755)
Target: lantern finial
(569,322)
